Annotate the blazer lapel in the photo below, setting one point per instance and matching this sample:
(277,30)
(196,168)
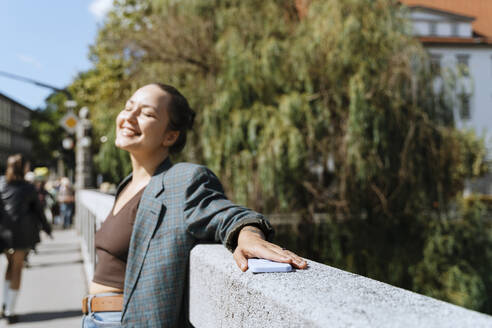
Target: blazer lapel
(122,185)
(149,211)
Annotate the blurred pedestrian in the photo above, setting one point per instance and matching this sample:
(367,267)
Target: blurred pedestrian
(30,177)
(5,231)
(66,200)
(52,187)
(42,193)
(45,198)
(25,217)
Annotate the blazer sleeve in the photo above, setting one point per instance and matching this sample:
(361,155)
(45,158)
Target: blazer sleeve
(211,217)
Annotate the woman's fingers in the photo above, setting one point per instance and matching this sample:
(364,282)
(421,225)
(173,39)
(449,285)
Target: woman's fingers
(251,247)
(278,254)
(265,252)
(297,261)
(241,255)
(240,259)
(293,259)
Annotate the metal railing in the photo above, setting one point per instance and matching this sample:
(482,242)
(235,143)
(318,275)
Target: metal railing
(92,207)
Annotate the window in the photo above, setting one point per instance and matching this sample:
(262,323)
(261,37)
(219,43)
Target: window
(463,64)
(464,106)
(463,59)
(454,29)
(435,61)
(4,137)
(3,111)
(433,28)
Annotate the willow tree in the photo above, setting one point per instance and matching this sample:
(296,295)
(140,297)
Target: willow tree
(331,112)
(337,112)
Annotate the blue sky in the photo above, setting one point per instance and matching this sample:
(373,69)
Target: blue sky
(48,41)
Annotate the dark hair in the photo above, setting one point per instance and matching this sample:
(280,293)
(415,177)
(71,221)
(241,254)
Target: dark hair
(181,116)
(16,168)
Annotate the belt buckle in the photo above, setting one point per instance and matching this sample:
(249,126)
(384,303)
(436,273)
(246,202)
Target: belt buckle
(86,304)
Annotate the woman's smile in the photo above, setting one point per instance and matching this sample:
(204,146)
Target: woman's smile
(129,132)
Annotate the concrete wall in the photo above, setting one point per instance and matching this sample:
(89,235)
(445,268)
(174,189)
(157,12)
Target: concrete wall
(321,296)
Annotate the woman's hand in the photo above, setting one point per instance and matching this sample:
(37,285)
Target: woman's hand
(251,243)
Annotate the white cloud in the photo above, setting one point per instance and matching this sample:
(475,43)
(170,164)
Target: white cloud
(100,8)
(30,60)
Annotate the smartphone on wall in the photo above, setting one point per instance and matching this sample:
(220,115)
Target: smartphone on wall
(262,266)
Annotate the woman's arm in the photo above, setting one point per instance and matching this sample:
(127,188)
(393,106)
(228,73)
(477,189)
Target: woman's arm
(210,216)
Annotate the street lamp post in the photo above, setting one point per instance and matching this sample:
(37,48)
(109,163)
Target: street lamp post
(83,155)
(69,122)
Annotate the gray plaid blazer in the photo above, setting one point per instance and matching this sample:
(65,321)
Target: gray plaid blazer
(183,204)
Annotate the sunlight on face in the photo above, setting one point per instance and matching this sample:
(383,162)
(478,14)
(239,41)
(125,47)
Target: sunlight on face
(141,125)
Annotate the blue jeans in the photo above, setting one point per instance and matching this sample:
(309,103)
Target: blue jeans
(66,213)
(101,319)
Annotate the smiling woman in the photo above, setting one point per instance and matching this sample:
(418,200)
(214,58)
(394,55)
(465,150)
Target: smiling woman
(160,212)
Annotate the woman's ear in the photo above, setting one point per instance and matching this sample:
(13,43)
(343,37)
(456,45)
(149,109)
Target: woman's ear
(170,138)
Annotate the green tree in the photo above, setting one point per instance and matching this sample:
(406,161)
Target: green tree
(47,134)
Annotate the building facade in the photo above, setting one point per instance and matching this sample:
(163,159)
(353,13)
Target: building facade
(452,43)
(458,36)
(15,118)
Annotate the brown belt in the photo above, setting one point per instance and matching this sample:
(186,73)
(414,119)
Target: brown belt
(112,303)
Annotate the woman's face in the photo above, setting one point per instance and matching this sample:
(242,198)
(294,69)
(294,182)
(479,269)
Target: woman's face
(141,127)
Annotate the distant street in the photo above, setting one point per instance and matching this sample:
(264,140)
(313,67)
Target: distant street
(53,285)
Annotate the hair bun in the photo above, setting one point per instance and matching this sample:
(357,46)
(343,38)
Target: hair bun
(181,116)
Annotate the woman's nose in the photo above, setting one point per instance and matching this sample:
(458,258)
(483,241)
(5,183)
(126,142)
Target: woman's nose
(130,115)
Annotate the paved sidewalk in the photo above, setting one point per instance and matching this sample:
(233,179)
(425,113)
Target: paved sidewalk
(52,286)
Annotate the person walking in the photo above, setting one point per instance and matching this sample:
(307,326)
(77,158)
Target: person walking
(45,199)
(52,187)
(161,211)
(24,217)
(66,200)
